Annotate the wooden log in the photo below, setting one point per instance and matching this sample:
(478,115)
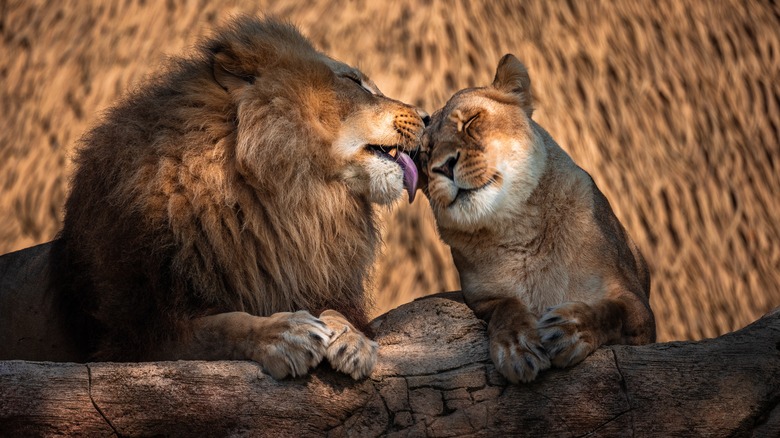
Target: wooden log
(434,378)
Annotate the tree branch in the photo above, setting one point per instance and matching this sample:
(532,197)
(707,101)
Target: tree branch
(434,378)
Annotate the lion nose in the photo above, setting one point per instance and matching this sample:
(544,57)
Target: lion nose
(426,118)
(448,168)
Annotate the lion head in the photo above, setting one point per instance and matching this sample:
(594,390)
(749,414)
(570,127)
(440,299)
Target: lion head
(319,112)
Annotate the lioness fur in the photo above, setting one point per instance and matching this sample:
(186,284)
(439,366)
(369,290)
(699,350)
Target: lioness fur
(541,255)
(220,203)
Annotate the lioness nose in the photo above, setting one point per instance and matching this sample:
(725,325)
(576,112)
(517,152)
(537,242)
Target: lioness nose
(448,168)
(426,118)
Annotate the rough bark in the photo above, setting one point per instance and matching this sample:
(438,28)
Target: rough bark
(434,378)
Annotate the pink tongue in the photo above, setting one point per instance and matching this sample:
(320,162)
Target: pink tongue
(410,174)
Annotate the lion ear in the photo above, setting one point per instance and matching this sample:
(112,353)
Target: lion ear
(512,77)
(228,73)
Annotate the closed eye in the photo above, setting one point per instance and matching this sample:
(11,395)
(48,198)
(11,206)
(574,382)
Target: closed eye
(357,80)
(469,121)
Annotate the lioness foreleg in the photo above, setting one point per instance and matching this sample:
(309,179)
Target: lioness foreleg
(515,346)
(573,330)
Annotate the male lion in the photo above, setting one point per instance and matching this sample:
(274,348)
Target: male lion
(219,204)
(541,255)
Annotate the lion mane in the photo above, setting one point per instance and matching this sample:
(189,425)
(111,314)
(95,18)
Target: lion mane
(196,196)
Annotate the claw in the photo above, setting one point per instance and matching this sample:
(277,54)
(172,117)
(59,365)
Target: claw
(554,336)
(550,319)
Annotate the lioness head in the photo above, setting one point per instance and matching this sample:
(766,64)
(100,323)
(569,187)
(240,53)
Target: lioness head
(481,156)
(288,93)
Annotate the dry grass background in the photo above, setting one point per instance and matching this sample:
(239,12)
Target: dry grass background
(673,107)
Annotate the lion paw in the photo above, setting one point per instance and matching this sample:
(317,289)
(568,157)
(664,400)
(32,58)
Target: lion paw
(350,351)
(291,344)
(518,356)
(567,333)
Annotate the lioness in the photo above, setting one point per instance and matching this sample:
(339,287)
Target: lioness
(541,256)
(220,203)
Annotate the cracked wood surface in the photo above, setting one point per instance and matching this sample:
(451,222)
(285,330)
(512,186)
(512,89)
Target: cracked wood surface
(433,378)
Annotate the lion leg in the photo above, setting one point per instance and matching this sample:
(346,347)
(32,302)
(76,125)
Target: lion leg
(284,344)
(350,351)
(573,330)
(515,346)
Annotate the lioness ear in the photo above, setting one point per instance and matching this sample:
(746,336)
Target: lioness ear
(512,77)
(228,73)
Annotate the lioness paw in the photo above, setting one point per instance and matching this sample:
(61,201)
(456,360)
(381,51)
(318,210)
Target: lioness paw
(518,356)
(568,333)
(350,351)
(290,344)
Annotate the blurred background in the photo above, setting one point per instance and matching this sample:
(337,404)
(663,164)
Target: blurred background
(672,106)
